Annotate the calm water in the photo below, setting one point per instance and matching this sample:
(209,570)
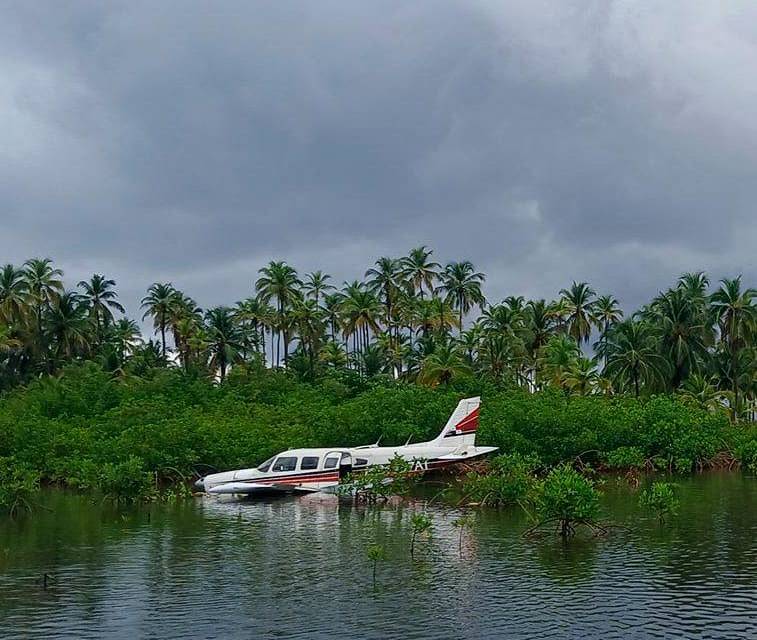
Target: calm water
(297,568)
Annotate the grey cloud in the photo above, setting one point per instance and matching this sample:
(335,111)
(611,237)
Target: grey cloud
(612,142)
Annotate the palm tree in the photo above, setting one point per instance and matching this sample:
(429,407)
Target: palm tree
(316,284)
(13,294)
(441,366)
(694,285)
(68,323)
(605,312)
(332,307)
(224,339)
(558,357)
(278,280)
(736,317)
(102,300)
(631,353)
(332,355)
(158,303)
(419,269)
(126,336)
(578,301)
(307,317)
(684,331)
(361,311)
(702,392)
(462,285)
(44,285)
(384,279)
(256,314)
(582,377)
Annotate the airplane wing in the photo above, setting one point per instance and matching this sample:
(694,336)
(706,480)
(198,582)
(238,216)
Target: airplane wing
(250,488)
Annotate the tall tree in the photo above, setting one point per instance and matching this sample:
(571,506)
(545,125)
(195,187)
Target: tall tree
(736,317)
(13,294)
(102,299)
(224,339)
(462,285)
(159,303)
(279,281)
(420,270)
(44,285)
(316,285)
(578,302)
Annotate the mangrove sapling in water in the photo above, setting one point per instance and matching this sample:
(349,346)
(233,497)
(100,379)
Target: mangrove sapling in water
(465,520)
(661,499)
(566,499)
(421,526)
(375,553)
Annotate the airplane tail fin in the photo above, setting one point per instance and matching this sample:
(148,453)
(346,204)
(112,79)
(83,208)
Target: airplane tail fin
(462,424)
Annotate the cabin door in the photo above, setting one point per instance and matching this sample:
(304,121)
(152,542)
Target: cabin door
(345,465)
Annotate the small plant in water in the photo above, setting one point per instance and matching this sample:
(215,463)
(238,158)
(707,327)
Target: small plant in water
(566,499)
(661,499)
(461,523)
(421,525)
(375,553)
(507,481)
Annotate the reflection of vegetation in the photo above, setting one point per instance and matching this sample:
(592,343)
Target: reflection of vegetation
(567,499)
(421,527)
(661,499)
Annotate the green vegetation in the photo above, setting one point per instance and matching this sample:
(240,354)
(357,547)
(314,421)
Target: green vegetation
(420,524)
(375,553)
(462,523)
(661,499)
(378,483)
(507,480)
(88,403)
(567,499)
(18,486)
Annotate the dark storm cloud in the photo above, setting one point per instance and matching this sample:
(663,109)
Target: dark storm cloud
(612,142)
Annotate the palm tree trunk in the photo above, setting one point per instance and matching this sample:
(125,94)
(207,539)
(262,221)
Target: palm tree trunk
(163,333)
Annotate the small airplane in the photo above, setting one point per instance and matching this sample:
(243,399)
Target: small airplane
(311,470)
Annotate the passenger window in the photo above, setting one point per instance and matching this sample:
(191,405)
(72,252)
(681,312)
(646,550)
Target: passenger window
(309,462)
(360,462)
(331,462)
(285,464)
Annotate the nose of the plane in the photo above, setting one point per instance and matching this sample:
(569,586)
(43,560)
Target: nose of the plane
(200,484)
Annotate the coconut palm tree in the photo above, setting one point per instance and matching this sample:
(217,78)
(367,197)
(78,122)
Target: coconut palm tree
(125,336)
(736,317)
(316,284)
(44,285)
(557,357)
(160,303)
(102,299)
(578,302)
(361,311)
(224,339)
(461,284)
(441,366)
(308,322)
(333,355)
(605,312)
(385,281)
(581,377)
(13,294)
(684,332)
(702,392)
(419,270)
(279,281)
(632,355)
(68,324)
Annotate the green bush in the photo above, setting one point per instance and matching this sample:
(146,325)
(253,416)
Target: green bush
(507,481)
(566,498)
(661,499)
(18,486)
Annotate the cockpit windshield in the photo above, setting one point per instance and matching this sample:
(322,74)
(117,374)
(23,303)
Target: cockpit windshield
(266,465)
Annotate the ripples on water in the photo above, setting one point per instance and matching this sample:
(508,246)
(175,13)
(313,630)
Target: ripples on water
(297,568)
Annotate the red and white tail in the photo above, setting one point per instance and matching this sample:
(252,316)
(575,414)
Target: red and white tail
(462,424)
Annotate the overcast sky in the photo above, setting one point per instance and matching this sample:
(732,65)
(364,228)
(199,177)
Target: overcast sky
(192,142)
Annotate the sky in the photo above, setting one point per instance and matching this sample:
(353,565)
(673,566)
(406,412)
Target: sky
(192,142)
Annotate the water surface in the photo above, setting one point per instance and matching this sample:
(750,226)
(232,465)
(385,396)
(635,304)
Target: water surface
(297,568)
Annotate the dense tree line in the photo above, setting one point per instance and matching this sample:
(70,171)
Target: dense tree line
(409,318)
